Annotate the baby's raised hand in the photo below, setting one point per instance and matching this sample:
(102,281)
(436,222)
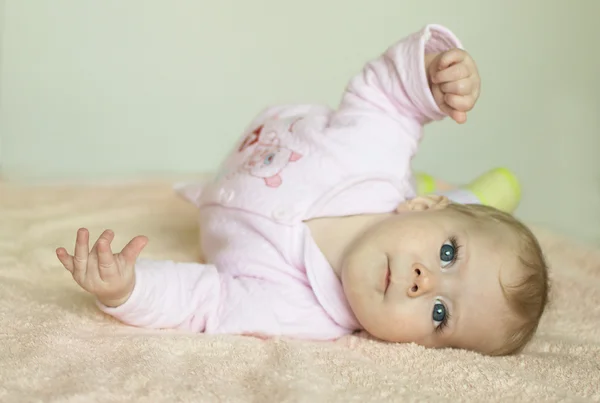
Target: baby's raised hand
(110,277)
(454,81)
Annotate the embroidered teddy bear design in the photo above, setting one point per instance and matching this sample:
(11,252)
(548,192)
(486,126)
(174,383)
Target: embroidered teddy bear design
(268,160)
(251,138)
(268,157)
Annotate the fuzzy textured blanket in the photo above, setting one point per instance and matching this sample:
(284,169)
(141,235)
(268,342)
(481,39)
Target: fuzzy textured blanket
(55,346)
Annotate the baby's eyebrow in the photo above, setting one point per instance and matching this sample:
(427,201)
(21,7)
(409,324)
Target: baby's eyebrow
(455,311)
(463,262)
(451,328)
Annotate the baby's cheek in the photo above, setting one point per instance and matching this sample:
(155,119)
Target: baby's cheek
(408,323)
(381,322)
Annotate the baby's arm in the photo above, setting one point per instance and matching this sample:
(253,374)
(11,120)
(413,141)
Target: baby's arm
(144,293)
(193,296)
(198,298)
(421,78)
(171,295)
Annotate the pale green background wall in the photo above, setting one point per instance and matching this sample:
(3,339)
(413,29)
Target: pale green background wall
(111,89)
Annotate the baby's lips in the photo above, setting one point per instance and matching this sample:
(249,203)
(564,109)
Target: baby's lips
(388,279)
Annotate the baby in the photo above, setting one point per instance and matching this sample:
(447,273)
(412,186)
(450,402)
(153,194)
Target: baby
(315,226)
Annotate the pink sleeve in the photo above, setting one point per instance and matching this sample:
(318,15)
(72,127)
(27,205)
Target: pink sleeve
(396,83)
(171,295)
(198,298)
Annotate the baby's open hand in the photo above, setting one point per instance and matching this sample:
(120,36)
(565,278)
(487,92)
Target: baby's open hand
(455,82)
(110,277)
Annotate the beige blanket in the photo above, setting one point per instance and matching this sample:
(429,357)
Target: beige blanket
(55,346)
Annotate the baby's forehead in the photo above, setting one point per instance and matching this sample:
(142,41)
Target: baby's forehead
(484,324)
(485,227)
(484,308)
(494,255)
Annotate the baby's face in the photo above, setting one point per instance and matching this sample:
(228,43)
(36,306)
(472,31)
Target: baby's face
(433,278)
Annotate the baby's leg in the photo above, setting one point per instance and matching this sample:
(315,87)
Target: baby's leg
(497,188)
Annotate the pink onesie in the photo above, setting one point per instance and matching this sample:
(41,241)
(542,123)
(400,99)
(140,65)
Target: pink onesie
(266,276)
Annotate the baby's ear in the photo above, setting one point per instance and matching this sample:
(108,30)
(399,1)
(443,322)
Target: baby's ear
(422,203)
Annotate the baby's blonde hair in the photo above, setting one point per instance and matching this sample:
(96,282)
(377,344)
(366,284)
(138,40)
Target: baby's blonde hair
(527,298)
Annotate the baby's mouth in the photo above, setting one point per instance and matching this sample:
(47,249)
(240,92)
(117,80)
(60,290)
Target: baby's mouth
(388,276)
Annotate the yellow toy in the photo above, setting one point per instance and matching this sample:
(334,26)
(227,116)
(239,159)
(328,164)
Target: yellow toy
(498,188)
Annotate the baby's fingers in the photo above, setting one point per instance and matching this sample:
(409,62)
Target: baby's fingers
(455,72)
(450,57)
(65,259)
(107,268)
(108,235)
(438,95)
(82,251)
(458,116)
(132,250)
(459,103)
(460,87)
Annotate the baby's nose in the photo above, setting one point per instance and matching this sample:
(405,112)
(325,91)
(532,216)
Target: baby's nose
(422,281)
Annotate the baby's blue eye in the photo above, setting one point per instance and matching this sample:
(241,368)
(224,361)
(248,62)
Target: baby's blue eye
(447,254)
(439,312)
(269,159)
